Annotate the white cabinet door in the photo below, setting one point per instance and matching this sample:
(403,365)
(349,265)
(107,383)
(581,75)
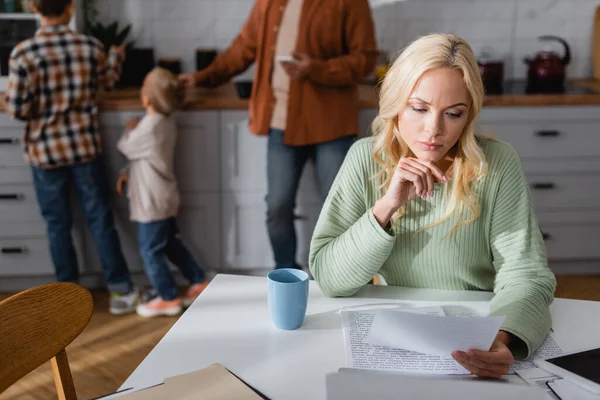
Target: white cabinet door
(244,234)
(197,156)
(200,225)
(245,239)
(243,155)
(244,158)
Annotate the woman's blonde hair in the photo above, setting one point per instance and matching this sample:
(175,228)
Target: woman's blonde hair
(424,54)
(165,92)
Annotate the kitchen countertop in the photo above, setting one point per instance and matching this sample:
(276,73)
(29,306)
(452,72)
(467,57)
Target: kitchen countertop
(225,98)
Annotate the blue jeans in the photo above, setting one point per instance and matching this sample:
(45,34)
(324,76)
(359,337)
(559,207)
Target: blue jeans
(53,188)
(159,240)
(284,169)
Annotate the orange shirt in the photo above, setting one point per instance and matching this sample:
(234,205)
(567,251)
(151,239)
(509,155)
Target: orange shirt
(339,37)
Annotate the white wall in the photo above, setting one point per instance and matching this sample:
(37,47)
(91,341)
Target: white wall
(176,27)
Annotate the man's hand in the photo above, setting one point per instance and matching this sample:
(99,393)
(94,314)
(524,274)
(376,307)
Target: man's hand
(121,182)
(300,68)
(491,364)
(188,80)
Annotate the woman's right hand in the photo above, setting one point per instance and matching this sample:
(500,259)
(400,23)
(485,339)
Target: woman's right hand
(412,178)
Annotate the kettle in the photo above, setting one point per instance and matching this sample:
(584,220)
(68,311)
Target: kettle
(546,72)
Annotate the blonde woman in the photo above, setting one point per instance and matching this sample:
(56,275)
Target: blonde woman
(149,145)
(427,203)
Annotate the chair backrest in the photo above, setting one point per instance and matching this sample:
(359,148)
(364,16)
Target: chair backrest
(36,325)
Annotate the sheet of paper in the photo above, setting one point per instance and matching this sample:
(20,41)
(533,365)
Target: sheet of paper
(568,390)
(360,354)
(432,334)
(212,383)
(538,377)
(548,349)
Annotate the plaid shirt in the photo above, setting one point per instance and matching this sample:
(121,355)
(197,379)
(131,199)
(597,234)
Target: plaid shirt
(53,85)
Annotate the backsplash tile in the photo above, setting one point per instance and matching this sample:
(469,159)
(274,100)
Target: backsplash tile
(509,28)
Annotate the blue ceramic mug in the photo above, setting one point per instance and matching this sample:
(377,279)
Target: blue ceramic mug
(287,294)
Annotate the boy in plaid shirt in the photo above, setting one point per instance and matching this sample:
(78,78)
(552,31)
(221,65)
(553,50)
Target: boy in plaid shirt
(53,86)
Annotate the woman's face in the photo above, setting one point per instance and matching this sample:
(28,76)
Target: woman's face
(436,114)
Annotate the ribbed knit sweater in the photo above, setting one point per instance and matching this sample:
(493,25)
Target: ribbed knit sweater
(501,251)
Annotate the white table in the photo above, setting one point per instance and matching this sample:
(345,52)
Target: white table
(230,324)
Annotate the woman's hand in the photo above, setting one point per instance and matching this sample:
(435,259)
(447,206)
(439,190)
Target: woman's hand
(412,177)
(491,364)
(121,182)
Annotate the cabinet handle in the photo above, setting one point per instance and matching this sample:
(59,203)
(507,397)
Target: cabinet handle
(236,155)
(12,196)
(9,141)
(15,250)
(548,133)
(543,185)
(301,217)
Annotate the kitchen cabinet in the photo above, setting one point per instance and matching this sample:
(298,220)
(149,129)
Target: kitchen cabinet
(23,240)
(221,168)
(559,148)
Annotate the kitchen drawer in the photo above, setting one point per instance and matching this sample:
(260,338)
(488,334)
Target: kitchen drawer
(571,241)
(25,256)
(15,175)
(550,139)
(565,192)
(18,203)
(11,154)
(6,123)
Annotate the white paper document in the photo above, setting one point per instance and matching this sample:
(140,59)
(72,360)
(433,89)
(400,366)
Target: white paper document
(538,377)
(568,390)
(548,349)
(433,334)
(360,354)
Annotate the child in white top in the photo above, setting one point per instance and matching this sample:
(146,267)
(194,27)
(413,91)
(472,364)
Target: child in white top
(149,145)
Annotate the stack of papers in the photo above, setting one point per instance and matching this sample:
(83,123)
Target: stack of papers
(413,340)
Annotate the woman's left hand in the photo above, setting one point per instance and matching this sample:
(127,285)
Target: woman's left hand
(490,364)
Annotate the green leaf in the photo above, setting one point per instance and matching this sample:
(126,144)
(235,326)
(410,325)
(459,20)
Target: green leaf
(120,39)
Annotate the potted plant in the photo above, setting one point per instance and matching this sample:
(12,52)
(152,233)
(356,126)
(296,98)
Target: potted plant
(139,61)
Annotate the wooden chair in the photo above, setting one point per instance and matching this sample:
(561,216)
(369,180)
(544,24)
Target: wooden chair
(35,326)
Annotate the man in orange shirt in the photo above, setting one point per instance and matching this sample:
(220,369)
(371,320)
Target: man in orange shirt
(308,105)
